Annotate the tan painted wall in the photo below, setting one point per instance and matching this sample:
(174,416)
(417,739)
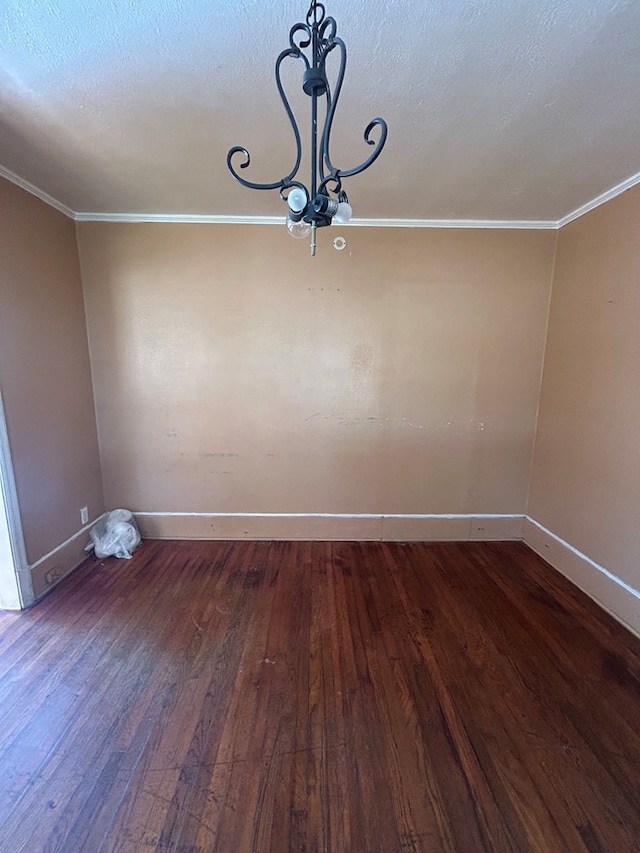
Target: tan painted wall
(234,373)
(44,372)
(585,484)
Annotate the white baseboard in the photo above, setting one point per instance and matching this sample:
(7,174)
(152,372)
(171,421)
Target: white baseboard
(60,561)
(329,526)
(613,594)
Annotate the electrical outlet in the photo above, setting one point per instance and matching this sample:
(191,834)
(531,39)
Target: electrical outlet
(52,576)
(84,515)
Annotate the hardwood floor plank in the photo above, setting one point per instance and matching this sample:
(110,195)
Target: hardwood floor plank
(604,740)
(528,718)
(320,697)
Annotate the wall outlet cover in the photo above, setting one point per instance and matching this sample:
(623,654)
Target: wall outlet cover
(52,576)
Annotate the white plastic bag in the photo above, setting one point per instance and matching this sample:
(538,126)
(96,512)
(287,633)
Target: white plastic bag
(115,534)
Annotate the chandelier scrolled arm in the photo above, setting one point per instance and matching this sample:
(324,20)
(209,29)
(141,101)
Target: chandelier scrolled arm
(238,149)
(303,43)
(376,122)
(323,200)
(283,182)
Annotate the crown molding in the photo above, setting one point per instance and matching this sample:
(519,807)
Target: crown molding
(601,199)
(500,224)
(201,219)
(496,224)
(279,220)
(36,191)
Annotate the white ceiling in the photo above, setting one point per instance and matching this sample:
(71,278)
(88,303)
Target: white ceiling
(518,110)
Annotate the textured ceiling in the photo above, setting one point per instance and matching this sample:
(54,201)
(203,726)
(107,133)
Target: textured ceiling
(497,109)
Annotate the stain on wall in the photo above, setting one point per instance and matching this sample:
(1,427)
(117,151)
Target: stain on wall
(234,373)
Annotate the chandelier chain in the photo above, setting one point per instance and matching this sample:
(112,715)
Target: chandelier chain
(316,13)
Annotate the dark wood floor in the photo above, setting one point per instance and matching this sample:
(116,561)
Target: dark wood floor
(341,697)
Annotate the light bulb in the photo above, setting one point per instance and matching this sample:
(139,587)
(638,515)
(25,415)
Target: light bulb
(299,230)
(343,213)
(297,200)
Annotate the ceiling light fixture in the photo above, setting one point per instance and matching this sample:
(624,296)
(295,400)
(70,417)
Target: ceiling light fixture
(324,200)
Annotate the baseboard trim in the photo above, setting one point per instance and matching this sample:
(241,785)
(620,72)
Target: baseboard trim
(329,526)
(61,560)
(618,598)
(614,595)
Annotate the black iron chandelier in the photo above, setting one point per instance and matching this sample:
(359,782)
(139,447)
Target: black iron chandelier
(324,200)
